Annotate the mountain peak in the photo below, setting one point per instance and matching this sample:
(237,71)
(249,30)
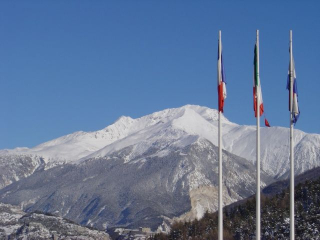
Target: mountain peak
(211,115)
(123,119)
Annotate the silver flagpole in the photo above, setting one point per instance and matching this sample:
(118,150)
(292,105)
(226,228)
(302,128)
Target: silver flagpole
(291,145)
(258,145)
(220,217)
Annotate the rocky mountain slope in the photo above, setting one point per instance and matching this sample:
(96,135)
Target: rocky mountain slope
(16,224)
(112,191)
(16,167)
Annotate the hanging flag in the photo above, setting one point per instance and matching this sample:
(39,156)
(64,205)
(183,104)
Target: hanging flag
(222,90)
(256,86)
(266,122)
(295,107)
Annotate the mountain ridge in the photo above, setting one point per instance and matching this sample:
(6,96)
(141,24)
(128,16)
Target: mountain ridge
(187,120)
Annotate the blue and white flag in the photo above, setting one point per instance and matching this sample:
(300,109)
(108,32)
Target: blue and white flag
(295,108)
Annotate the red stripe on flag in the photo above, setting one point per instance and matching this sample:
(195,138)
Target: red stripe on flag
(220,97)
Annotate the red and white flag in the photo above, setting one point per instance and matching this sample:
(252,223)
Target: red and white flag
(222,90)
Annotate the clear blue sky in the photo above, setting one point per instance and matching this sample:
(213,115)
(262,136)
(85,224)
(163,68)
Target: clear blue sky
(73,65)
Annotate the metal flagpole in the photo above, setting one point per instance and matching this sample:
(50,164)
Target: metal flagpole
(258,145)
(291,145)
(220,217)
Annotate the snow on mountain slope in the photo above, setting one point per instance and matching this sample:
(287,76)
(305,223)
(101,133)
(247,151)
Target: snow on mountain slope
(275,148)
(176,129)
(179,127)
(307,152)
(16,167)
(16,224)
(79,144)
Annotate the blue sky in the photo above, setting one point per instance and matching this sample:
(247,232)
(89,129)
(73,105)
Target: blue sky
(71,65)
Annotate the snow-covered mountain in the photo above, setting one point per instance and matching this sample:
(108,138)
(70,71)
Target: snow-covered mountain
(142,171)
(177,128)
(72,147)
